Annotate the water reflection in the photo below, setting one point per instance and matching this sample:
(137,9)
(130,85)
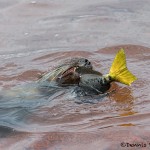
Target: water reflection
(127,125)
(123,95)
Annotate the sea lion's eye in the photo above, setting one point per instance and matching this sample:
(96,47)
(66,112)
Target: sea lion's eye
(86,60)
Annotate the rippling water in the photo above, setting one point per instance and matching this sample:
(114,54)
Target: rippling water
(38,35)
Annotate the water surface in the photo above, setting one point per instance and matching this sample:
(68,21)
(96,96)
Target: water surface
(37,36)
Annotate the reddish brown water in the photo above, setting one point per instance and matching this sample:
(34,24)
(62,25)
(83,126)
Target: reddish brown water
(38,35)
